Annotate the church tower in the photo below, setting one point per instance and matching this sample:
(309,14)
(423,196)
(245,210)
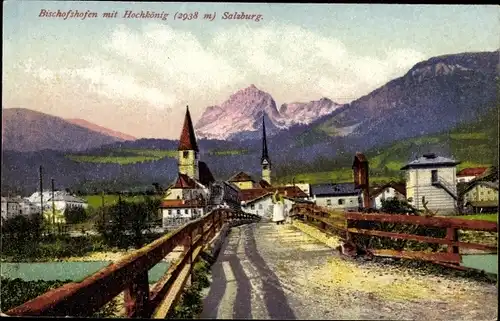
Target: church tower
(188,149)
(265,161)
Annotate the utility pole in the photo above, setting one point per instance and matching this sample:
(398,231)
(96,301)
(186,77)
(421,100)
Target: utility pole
(53,205)
(102,208)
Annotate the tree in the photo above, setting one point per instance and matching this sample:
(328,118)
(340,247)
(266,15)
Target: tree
(74,215)
(126,222)
(395,206)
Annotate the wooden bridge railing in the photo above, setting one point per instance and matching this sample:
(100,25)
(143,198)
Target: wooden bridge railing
(130,274)
(345,228)
(321,218)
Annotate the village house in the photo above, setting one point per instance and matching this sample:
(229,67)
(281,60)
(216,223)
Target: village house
(60,199)
(341,196)
(391,190)
(305,187)
(224,194)
(433,177)
(188,196)
(177,212)
(481,195)
(468,174)
(256,197)
(259,200)
(11,207)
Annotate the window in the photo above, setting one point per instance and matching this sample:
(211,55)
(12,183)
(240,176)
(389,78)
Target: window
(169,212)
(178,212)
(328,202)
(186,211)
(341,201)
(434,175)
(185,154)
(260,206)
(252,207)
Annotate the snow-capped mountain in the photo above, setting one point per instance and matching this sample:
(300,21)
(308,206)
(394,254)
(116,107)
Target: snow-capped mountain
(240,116)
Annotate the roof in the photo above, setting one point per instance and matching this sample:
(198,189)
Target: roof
(67,198)
(184,181)
(474,171)
(490,174)
(399,187)
(430,160)
(181,203)
(268,194)
(188,138)
(264,184)
(359,157)
(206,176)
(334,189)
(241,177)
(287,191)
(252,193)
(290,191)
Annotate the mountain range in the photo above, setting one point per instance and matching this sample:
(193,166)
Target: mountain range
(27,130)
(433,97)
(240,117)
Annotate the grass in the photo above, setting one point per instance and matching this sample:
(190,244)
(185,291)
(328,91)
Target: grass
(124,156)
(228,152)
(482,217)
(339,175)
(95,201)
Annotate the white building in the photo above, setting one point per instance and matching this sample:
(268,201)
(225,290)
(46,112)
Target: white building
(14,206)
(178,212)
(61,200)
(342,196)
(386,192)
(435,178)
(263,205)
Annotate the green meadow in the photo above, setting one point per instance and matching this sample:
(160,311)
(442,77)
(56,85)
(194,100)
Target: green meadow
(482,217)
(124,156)
(228,152)
(96,201)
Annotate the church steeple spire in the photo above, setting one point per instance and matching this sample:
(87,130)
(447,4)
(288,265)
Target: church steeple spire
(265,161)
(188,138)
(265,155)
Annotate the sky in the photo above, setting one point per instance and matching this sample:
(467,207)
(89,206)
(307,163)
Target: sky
(137,75)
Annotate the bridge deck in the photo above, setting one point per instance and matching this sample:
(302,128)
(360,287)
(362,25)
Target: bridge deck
(266,271)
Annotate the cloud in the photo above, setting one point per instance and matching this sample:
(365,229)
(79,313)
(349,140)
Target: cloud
(163,68)
(291,54)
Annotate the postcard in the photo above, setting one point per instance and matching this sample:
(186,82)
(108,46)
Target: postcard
(249,160)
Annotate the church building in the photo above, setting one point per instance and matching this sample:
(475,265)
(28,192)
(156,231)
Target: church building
(188,195)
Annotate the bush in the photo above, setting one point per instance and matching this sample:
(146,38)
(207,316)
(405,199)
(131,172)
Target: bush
(191,303)
(15,292)
(397,207)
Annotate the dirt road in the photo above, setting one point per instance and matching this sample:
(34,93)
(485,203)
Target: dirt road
(265,271)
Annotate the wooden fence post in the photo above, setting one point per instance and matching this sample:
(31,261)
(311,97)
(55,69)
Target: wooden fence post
(137,296)
(452,236)
(188,243)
